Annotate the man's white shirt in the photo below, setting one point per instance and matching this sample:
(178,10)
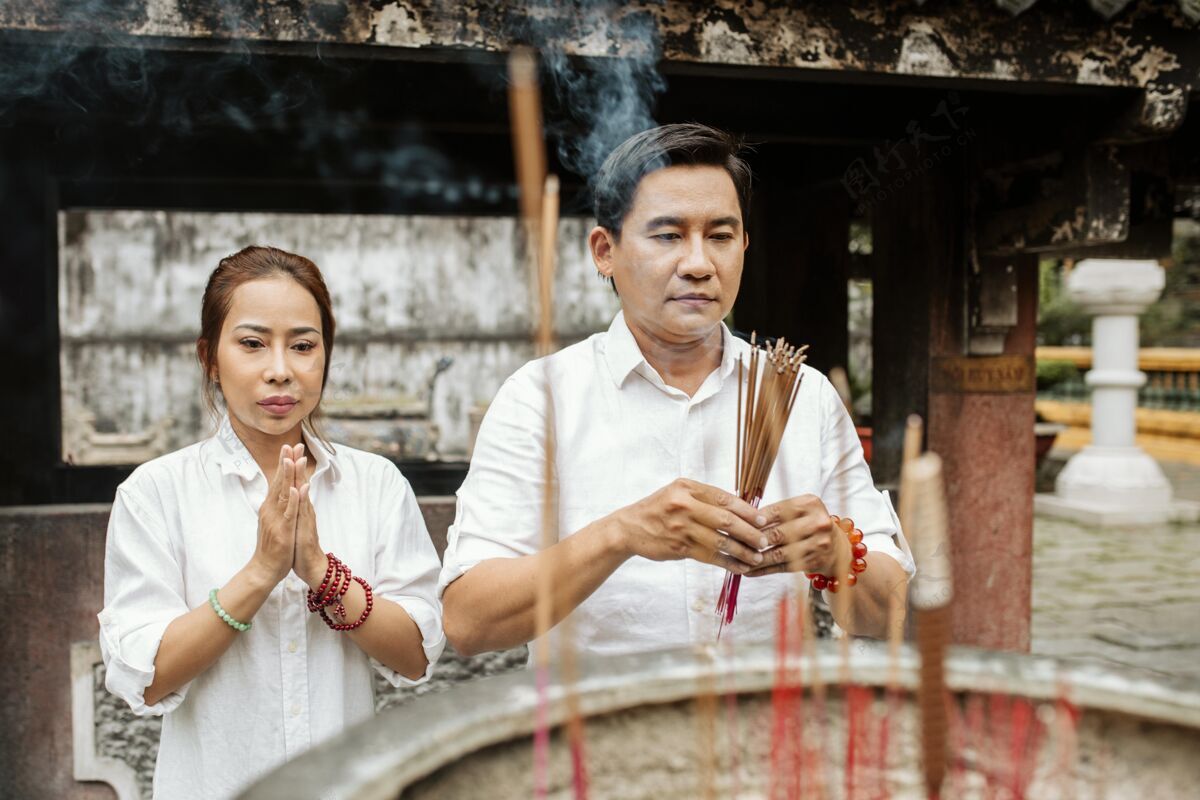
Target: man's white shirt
(621,433)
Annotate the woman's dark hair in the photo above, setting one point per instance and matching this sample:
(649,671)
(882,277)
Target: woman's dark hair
(617,181)
(248,264)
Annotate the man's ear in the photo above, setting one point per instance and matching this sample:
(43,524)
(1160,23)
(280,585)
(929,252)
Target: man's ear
(601,243)
(745,240)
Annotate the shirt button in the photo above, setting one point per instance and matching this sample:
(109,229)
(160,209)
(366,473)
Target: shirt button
(697,604)
(291,584)
(295,709)
(292,646)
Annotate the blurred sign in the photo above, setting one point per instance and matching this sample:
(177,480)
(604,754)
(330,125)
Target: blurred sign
(983,374)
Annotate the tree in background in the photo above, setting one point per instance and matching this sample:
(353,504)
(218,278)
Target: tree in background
(1173,321)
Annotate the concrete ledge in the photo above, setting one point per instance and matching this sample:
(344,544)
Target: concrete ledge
(1178,511)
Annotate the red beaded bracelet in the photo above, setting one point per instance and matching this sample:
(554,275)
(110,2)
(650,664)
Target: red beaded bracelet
(349,626)
(327,592)
(332,591)
(858,552)
(331,564)
(339,608)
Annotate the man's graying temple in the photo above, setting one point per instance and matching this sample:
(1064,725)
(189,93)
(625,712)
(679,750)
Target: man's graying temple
(972,138)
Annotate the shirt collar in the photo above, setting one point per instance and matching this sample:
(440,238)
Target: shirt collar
(234,458)
(623,355)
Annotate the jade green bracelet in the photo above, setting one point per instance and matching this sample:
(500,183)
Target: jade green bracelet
(241,627)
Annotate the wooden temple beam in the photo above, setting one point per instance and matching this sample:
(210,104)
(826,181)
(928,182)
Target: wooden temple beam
(1147,43)
(1093,200)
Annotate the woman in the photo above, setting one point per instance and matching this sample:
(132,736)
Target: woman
(258,645)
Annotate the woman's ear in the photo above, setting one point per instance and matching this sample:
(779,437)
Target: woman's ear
(202,355)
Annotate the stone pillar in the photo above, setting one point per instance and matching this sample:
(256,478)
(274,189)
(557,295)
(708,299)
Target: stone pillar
(1112,481)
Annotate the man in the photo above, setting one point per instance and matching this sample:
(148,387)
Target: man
(644,419)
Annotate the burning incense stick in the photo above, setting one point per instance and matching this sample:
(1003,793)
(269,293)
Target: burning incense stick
(762,418)
(923,498)
(546,344)
(526,119)
(525,110)
(539,211)
(913,431)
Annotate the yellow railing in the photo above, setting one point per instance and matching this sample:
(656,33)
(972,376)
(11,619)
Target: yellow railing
(1150,359)
(1168,405)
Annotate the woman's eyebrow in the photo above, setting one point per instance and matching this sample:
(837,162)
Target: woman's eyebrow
(264,329)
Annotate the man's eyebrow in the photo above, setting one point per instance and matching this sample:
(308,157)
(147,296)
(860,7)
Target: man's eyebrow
(664,222)
(264,329)
(668,222)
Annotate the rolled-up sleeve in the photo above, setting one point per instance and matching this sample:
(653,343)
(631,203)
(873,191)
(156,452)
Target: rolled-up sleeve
(848,487)
(406,572)
(498,513)
(143,593)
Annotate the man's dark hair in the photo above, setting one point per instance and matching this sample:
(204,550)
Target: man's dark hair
(667,145)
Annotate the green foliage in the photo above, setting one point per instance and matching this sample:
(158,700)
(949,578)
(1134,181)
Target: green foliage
(1173,321)
(1060,322)
(1052,371)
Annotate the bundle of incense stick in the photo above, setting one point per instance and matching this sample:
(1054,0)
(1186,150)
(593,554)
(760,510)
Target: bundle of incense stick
(924,501)
(763,412)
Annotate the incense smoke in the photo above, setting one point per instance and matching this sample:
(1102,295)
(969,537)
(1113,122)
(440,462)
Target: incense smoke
(597,103)
(88,74)
(91,73)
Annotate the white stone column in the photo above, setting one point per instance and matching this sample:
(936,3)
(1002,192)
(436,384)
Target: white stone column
(1112,481)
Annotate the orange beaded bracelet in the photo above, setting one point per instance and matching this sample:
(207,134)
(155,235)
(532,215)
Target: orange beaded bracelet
(858,552)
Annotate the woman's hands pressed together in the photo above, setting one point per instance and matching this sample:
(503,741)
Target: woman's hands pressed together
(287,524)
(276,548)
(310,561)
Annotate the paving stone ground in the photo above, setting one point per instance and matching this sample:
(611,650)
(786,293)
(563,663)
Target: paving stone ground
(1124,596)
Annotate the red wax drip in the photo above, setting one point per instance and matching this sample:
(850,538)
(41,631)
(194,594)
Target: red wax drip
(814,757)
(579,766)
(858,706)
(779,707)
(784,707)
(879,761)
(974,737)
(1025,738)
(789,759)
(1068,743)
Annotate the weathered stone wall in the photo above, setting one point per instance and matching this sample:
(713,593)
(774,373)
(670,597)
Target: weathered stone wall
(406,291)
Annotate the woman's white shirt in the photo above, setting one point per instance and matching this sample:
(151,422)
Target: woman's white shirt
(184,524)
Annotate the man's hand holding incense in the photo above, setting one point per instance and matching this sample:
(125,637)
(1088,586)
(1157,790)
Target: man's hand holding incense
(687,519)
(801,537)
(805,538)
